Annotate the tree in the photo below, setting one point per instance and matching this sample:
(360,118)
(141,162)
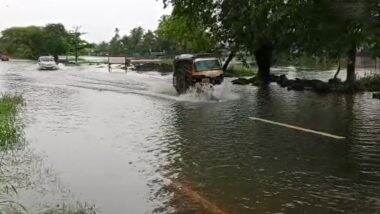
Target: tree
(76,43)
(134,40)
(32,42)
(336,29)
(149,42)
(115,46)
(101,49)
(256,26)
(55,40)
(327,28)
(23,42)
(188,35)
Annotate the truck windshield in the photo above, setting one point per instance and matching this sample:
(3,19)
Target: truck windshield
(46,59)
(207,65)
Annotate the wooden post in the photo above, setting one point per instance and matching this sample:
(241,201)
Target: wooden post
(125,64)
(109,64)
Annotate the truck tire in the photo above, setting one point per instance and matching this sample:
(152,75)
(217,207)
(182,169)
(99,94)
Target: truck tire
(182,79)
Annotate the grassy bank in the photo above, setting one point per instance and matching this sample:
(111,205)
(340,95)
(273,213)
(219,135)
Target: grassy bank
(11,136)
(10,130)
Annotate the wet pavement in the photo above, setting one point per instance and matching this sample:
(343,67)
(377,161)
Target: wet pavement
(128,144)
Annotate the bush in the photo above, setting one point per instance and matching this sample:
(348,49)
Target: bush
(239,71)
(10,131)
(370,83)
(164,66)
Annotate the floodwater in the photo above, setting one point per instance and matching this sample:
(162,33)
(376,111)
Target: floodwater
(127,143)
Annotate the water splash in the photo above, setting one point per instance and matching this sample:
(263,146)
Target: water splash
(161,86)
(218,93)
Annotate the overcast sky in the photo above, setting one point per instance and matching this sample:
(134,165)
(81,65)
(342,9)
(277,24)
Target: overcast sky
(98,18)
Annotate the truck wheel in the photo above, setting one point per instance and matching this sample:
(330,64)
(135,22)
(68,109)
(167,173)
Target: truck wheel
(182,80)
(182,84)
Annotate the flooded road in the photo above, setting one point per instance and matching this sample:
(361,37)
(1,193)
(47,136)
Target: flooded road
(128,144)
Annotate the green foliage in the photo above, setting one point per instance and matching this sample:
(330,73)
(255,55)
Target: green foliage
(79,208)
(10,130)
(174,35)
(32,42)
(188,35)
(257,27)
(239,71)
(101,49)
(24,42)
(115,46)
(133,42)
(325,29)
(331,27)
(149,42)
(55,40)
(137,43)
(77,45)
(370,83)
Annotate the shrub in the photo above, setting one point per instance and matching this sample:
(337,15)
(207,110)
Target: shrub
(239,71)
(10,130)
(370,83)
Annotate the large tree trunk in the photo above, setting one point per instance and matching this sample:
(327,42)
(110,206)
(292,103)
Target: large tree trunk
(351,62)
(263,56)
(229,59)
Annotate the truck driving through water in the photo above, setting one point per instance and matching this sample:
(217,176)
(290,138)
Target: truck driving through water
(196,70)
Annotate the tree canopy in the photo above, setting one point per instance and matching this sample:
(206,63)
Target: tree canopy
(330,28)
(32,42)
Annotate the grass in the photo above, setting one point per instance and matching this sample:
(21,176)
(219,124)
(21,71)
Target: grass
(167,61)
(11,135)
(239,71)
(370,83)
(79,208)
(10,129)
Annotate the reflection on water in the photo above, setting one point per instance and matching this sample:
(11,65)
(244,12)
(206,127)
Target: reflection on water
(128,142)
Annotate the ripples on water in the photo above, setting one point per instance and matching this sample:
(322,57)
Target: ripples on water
(127,141)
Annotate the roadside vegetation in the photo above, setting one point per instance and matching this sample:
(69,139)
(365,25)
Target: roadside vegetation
(33,41)
(162,66)
(11,137)
(10,128)
(273,30)
(10,133)
(79,208)
(239,70)
(370,83)
(314,34)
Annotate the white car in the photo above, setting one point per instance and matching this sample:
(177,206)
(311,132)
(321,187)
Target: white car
(47,63)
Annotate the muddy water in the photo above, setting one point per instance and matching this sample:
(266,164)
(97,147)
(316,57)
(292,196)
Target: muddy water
(128,144)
